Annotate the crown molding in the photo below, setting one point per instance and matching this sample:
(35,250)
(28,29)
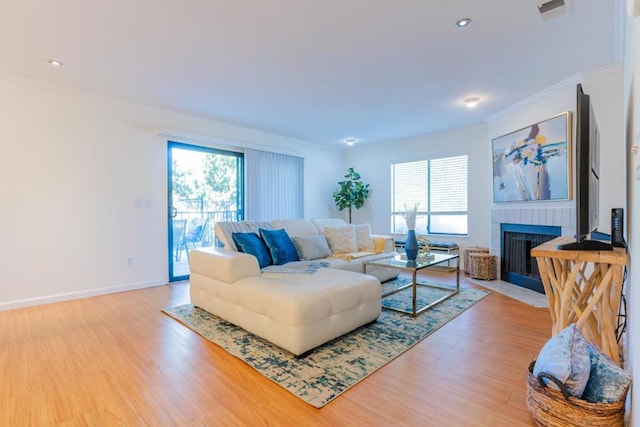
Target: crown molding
(571,81)
(218,141)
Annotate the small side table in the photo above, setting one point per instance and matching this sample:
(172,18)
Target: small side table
(449,248)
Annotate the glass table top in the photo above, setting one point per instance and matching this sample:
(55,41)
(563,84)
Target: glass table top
(423,260)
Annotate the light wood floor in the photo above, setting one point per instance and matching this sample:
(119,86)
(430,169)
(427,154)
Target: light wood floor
(117,360)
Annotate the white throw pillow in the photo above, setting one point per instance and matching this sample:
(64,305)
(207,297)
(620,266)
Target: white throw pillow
(363,237)
(342,240)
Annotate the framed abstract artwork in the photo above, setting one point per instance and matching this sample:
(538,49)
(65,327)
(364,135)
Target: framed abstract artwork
(534,163)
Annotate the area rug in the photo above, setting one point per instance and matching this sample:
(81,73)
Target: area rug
(333,368)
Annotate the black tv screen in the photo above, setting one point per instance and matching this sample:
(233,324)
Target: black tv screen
(587,144)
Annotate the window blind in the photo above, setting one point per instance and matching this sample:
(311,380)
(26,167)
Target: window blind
(275,185)
(440,187)
(448,184)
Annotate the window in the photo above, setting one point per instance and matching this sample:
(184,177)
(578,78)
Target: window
(440,188)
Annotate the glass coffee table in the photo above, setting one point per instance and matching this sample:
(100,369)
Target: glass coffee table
(427,261)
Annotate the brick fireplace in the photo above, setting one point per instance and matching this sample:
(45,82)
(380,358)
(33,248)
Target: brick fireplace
(526,228)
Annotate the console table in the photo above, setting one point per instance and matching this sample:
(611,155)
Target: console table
(583,287)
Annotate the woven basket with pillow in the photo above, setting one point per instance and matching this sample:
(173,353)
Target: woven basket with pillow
(574,384)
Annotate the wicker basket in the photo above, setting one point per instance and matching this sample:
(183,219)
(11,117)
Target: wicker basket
(482,266)
(467,251)
(549,408)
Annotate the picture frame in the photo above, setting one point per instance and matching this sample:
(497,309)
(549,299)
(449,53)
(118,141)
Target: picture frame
(534,163)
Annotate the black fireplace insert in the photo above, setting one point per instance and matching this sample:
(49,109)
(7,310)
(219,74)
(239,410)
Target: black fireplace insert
(516,241)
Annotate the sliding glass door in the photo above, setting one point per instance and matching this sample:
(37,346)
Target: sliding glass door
(205,185)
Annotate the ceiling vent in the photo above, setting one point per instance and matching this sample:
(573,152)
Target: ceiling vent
(553,8)
(550,5)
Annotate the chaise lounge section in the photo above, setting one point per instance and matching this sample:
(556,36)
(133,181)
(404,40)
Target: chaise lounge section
(297,312)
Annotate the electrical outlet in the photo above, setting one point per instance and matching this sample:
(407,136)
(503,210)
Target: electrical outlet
(129,262)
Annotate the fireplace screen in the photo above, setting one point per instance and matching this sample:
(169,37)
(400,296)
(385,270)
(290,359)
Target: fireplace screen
(517,265)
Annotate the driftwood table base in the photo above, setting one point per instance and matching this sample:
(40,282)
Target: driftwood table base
(583,287)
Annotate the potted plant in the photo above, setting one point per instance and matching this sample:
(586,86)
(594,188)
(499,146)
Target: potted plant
(352,192)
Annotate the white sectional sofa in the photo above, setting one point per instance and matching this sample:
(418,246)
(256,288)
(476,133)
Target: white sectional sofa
(299,305)
(382,246)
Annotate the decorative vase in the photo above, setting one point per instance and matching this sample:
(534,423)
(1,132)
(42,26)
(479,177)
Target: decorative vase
(411,245)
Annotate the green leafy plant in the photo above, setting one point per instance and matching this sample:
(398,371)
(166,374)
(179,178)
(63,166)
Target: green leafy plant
(352,192)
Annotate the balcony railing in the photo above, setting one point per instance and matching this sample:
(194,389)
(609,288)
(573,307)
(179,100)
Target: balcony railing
(180,258)
(208,236)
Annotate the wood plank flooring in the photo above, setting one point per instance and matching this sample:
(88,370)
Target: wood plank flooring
(117,360)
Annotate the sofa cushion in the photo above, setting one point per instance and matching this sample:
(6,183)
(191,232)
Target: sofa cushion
(311,247)
(327,222)
(280,246)
(224,230)
(342,240)
(363,237)
(251,243)
(565,357)
(222,266)
(296,227)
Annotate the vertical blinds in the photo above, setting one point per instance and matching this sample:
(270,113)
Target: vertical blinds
(275,184)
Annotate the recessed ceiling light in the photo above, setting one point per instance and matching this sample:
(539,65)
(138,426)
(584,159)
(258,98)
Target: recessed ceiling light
(350,141)
(55,62)
(472,102)
(463,22)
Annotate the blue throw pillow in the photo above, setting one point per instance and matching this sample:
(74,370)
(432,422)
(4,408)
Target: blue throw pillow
(608,383)
(280,246)
(252,244)
(565,357)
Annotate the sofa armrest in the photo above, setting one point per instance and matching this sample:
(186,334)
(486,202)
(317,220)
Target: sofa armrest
(383,243)
(224,266)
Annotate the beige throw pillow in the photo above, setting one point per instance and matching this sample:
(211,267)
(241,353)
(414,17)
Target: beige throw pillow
(363,237)
(342,240)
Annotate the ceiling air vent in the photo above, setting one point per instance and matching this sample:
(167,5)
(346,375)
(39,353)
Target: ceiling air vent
(549,6)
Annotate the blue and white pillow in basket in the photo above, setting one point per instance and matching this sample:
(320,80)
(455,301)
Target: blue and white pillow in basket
(565,360)
(608,383)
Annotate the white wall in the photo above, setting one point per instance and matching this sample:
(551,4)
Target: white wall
(374,164)
(605,89)
(75,166)
(632,212)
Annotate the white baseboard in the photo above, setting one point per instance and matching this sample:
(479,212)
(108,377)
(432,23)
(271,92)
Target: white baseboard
(4,306)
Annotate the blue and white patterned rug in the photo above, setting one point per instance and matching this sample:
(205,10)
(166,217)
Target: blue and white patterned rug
(338,365)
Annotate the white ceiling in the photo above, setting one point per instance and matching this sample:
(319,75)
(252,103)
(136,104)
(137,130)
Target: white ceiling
(318,70)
